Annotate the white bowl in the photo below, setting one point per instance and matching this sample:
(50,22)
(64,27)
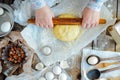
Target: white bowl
(7,16)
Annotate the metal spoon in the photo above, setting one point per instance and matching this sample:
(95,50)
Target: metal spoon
(95,73)
(101,59)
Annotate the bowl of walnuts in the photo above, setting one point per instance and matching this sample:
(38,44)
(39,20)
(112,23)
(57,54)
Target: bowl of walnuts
(13,53)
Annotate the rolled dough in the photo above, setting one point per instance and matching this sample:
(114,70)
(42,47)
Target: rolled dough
(67,33)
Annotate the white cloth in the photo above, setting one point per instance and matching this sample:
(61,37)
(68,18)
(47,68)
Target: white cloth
(96,4)
(93,4)
(36,4)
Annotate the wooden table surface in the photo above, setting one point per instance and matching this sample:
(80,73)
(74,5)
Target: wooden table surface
(101,42)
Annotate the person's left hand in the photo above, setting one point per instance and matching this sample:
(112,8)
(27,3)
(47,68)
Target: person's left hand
(90,18)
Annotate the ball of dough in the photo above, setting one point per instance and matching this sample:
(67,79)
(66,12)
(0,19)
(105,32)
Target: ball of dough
(67,33)
(1,11)
(49,76)
(57,70)
(5,27)
(42,78)
(62,76)
(39,66)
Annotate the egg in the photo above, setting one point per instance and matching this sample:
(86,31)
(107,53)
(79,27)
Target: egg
(46,50)
(57,70)
(39,66)
(64,64)
(92,60)
(5,27)
(49,76)
(42,78)
(62,76)
(1,11)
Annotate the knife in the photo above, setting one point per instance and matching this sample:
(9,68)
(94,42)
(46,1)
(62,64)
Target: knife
(67,21)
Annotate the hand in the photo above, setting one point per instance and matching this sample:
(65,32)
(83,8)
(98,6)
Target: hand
(43,17)
(90,18)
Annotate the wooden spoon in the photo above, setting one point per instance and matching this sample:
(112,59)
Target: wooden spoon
(103,65)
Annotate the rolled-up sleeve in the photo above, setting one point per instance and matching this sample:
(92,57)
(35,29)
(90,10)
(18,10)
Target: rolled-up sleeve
(36,4)
(96,4)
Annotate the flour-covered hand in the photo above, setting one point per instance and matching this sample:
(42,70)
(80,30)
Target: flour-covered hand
(90,18)
(43,17)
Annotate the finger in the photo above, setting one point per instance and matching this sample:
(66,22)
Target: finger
(46,26)
(92,25)
(97,23)
(83,24)
(41,25)
(50,24)
(37,24)
(53,15)
(88,26)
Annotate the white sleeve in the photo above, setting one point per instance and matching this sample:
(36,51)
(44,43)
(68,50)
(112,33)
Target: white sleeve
(96,4)
(36,4)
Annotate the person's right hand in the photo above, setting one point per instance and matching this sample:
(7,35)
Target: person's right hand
(90,18)
(43,17)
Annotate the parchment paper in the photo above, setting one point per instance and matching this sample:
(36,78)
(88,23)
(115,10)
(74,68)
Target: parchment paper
(37,37)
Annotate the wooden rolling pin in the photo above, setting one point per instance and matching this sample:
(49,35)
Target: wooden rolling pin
(66,21)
